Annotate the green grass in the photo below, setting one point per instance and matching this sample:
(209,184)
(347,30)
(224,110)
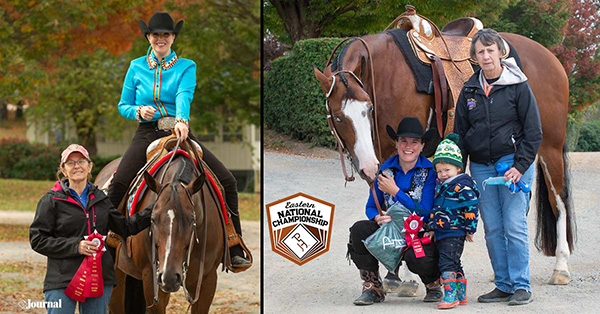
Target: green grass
(22,195)
(9,233)
(249,206)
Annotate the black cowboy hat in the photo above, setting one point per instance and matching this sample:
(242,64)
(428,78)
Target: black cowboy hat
(408,127)
(160,22)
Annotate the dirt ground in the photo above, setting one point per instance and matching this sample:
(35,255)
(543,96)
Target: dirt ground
(22,274)
(329,283)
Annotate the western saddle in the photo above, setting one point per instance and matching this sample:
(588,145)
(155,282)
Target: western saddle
(448,53)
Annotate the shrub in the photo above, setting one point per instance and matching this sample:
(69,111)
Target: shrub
(589,137)
(293,99)
(20,159)
(99,163)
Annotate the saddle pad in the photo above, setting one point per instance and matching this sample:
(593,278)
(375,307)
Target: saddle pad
(139,191)
(422,73)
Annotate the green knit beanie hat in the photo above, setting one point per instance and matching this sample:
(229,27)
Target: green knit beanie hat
(448,152)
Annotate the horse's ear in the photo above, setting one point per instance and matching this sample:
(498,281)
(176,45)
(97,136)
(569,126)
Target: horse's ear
(197,184)
(151,182)
(324,80)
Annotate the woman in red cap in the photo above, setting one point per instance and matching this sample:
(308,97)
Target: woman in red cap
(70,224)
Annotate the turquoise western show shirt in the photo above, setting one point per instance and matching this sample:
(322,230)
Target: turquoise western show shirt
(167,85)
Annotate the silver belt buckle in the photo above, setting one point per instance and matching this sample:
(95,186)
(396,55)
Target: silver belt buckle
(166,123)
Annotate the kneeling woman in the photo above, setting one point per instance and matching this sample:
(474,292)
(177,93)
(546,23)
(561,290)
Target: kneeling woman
(408,178)
(72,210)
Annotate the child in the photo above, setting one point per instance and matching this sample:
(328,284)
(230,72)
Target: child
(453,218)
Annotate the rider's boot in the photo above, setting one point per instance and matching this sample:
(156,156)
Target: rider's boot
(239,262)
(372,290)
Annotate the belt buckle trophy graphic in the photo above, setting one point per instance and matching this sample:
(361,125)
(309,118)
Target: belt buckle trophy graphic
(300,227)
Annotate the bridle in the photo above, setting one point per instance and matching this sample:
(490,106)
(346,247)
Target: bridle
(194,236)
(372,117)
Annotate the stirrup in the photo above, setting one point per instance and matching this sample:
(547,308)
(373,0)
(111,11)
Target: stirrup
(234,239)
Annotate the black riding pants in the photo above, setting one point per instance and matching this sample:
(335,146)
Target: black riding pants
(426,267)
(135,158)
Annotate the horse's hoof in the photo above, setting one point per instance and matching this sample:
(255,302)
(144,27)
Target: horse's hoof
(560,277)
(408,289)
(391,285)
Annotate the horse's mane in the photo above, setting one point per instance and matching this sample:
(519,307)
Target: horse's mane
(184,174)
(338,65)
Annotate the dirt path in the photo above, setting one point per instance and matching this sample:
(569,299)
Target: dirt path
(328,284)
(22,272)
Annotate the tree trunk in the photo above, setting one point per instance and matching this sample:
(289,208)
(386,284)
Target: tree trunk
(87,138)
(295,18)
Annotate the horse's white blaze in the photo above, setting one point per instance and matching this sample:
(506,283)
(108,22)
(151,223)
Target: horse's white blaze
(358,113)
(562,246)
(171,214)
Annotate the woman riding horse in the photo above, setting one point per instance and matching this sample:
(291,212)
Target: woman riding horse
(160,87)
(498,119)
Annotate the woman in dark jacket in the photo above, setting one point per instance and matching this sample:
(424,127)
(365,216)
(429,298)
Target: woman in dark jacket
(498,120)
(72,210)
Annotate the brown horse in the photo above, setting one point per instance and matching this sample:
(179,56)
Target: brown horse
(352,117)
(181,220)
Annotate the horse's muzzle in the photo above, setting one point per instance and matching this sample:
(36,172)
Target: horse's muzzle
(366,177)
(169,283)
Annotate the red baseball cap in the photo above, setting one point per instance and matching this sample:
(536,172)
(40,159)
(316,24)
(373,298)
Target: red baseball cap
(73,148)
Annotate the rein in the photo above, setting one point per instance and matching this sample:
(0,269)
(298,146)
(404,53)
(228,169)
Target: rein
(194,235)
(375,131)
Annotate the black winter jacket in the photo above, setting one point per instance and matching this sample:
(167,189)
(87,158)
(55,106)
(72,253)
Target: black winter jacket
(60,224)
(504,122)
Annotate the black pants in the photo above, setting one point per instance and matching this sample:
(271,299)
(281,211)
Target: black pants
(450,250)
(426,267)
(135,158)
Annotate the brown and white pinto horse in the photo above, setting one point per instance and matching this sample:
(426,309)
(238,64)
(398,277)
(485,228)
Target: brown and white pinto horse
(352,108)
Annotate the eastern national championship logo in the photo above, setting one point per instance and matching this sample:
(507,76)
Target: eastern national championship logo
(300,227)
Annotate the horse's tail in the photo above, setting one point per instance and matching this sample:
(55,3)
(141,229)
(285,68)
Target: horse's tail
(546,233)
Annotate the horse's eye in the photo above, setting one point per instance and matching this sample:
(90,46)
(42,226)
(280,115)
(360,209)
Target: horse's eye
(337,119)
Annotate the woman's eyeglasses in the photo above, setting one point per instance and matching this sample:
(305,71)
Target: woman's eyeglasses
(80,162)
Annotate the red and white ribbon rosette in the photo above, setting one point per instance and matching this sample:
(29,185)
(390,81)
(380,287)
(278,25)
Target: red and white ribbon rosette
(88,282)
(412,226)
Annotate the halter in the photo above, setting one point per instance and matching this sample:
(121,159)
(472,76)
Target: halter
(186,263)
(373,117)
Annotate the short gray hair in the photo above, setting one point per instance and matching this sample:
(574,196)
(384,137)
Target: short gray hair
(487,37)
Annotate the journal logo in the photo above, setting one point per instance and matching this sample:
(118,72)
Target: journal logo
(300,227)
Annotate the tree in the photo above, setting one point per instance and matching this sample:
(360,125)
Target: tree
(541,20)
(302,19)
(84,90)
(223,38)
(579,53)
(36,33)
(82,48)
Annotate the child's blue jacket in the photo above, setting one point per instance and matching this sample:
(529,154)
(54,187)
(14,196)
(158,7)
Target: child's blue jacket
(455,209)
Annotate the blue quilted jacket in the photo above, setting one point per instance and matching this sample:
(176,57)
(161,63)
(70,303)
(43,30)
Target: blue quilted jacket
(455,208)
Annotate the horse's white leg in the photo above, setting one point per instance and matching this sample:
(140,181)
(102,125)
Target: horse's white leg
(561,275)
